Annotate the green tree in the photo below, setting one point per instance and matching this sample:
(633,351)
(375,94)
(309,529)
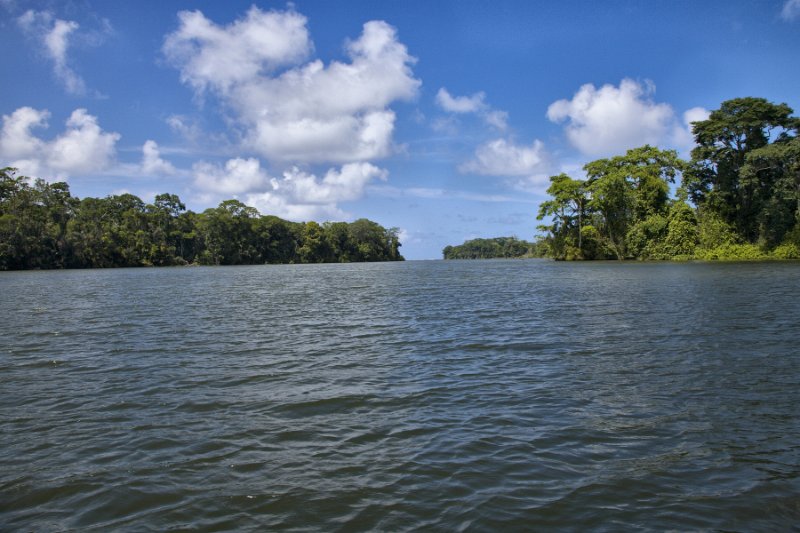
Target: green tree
(337,235)
(42,226)
(567,210)
(314,248)
(33,222)
(280,239)
(228,234)
(627,190)
(720,177)
(497,247)
(776,164)
(166,235)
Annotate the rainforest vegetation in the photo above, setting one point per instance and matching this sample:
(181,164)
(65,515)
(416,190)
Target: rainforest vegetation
(737,198)
(42,227)
(505,247)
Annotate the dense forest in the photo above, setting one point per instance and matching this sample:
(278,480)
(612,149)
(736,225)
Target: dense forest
(505,247)
(738,197)
(43,226)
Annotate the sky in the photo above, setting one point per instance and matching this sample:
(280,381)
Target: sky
(443,119)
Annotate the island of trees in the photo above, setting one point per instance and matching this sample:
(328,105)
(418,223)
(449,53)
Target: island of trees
(738,199)
(43,227)
(498,247)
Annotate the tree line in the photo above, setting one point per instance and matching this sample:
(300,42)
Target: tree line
(42,226)
(497,247)
(739,195)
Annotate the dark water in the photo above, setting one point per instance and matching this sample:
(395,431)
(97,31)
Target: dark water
(496,395)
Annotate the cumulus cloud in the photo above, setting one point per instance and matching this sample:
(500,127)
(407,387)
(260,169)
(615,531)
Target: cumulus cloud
(474,104)
(501,157)
(54,34)
(236,177)
(83,147)
(210,56)
(683,138)
(297,195)
(610,120)
(791,10)
(306,112)
(152,164)
(271,204)
(17,140)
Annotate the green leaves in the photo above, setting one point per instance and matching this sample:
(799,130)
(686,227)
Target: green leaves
(744,179)
(745,168)
(42,226)
(498,247)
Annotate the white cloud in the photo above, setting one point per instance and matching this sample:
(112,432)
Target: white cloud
(610,120)
(297,195)
(460,104)
(475,104)
(695,114)
(302,196)
(273,204)
(16,140)
(791,10)
(54,34)
(683,138)
(152,164)
(496,118)
(342,185)
(405,236)
(211,56)
(188,129)
(83,148)
(501,157)
(236,177)
(309,112)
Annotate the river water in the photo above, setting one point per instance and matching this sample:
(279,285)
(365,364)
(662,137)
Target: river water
(436,396)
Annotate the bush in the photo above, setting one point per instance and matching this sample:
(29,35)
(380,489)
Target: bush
(786,251)
(733,252)
(715,232)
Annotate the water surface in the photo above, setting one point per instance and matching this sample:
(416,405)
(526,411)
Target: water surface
(485,395)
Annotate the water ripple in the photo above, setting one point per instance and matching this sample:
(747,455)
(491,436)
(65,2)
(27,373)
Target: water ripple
(457,396)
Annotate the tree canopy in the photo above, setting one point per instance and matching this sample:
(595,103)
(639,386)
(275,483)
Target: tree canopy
(498,247)
(743,182)
(42,226)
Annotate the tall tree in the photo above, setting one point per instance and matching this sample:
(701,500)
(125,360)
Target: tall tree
(715,180)
(626,190)
(777,164)
(568,210)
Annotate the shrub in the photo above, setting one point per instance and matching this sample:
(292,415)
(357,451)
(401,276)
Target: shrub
(732,252)
(786,251)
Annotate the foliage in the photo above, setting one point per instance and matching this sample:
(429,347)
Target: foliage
(498,247)
(745,168)
(683,235)
(625,202)
(786,251)
(733,252)
(43,226)
(743,178)
(568,212)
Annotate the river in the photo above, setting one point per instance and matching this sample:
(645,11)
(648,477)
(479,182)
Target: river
(436,396)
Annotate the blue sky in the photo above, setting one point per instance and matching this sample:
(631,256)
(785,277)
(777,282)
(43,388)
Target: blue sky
(443,119)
